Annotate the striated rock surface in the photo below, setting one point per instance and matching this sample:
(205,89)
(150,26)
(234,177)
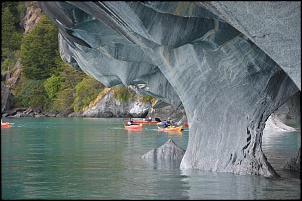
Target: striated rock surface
(166,157)
(230,65)
(167,151)
(294,163)
(274,123)
(274,26)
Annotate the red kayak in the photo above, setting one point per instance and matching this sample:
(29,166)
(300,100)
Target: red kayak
(141,121)
(134,127)
(5,125)
(170,129)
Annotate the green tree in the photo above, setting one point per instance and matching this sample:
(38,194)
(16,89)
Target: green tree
(52,86)
(11,32)
(18,9)
(39,50)
(10,37)
(7,27)
(86,91)
(122,94)
(69,78)
(31,93)
(151,99)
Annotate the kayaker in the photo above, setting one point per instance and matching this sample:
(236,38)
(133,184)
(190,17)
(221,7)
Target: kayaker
(149,118)
(168,123)
(131,122)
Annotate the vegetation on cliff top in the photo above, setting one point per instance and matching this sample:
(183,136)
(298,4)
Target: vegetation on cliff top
(46,82)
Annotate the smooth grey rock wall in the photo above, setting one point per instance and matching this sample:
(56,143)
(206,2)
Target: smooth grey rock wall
(274,26)
(188,55)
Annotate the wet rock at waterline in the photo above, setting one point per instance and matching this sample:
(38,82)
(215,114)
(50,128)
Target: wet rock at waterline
(294,163)
(167,151)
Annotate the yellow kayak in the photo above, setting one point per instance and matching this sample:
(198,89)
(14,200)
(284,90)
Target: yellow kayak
(170,129)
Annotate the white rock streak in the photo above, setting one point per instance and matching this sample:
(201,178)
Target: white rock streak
(274,123)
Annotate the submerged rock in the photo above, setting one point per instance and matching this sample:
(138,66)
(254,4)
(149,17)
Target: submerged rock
(294,163)
(167,151)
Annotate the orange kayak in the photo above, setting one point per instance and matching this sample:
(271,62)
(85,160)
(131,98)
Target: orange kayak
(170,129)
(134,127)
(143,122)
(5,125)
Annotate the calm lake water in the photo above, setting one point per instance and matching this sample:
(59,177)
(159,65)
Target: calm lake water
(93,158)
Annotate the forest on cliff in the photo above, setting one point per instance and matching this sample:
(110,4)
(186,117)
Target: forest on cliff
(45,82)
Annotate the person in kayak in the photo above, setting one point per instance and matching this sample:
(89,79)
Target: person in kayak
(168,123)
(131,122)
(149,119)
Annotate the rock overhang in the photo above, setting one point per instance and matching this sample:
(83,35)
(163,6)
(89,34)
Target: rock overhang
(200,54)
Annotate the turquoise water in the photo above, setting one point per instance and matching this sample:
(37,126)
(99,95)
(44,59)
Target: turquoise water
(92,158)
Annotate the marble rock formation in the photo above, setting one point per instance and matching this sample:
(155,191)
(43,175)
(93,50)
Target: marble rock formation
(167,151)
(294,163)
(166,157)
(274,123)
(229,64)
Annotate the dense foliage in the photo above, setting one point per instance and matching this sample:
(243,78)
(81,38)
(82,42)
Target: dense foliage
(122,94)
(11,32)
(46,82)
(86,92)
(39,49)
(31,93)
